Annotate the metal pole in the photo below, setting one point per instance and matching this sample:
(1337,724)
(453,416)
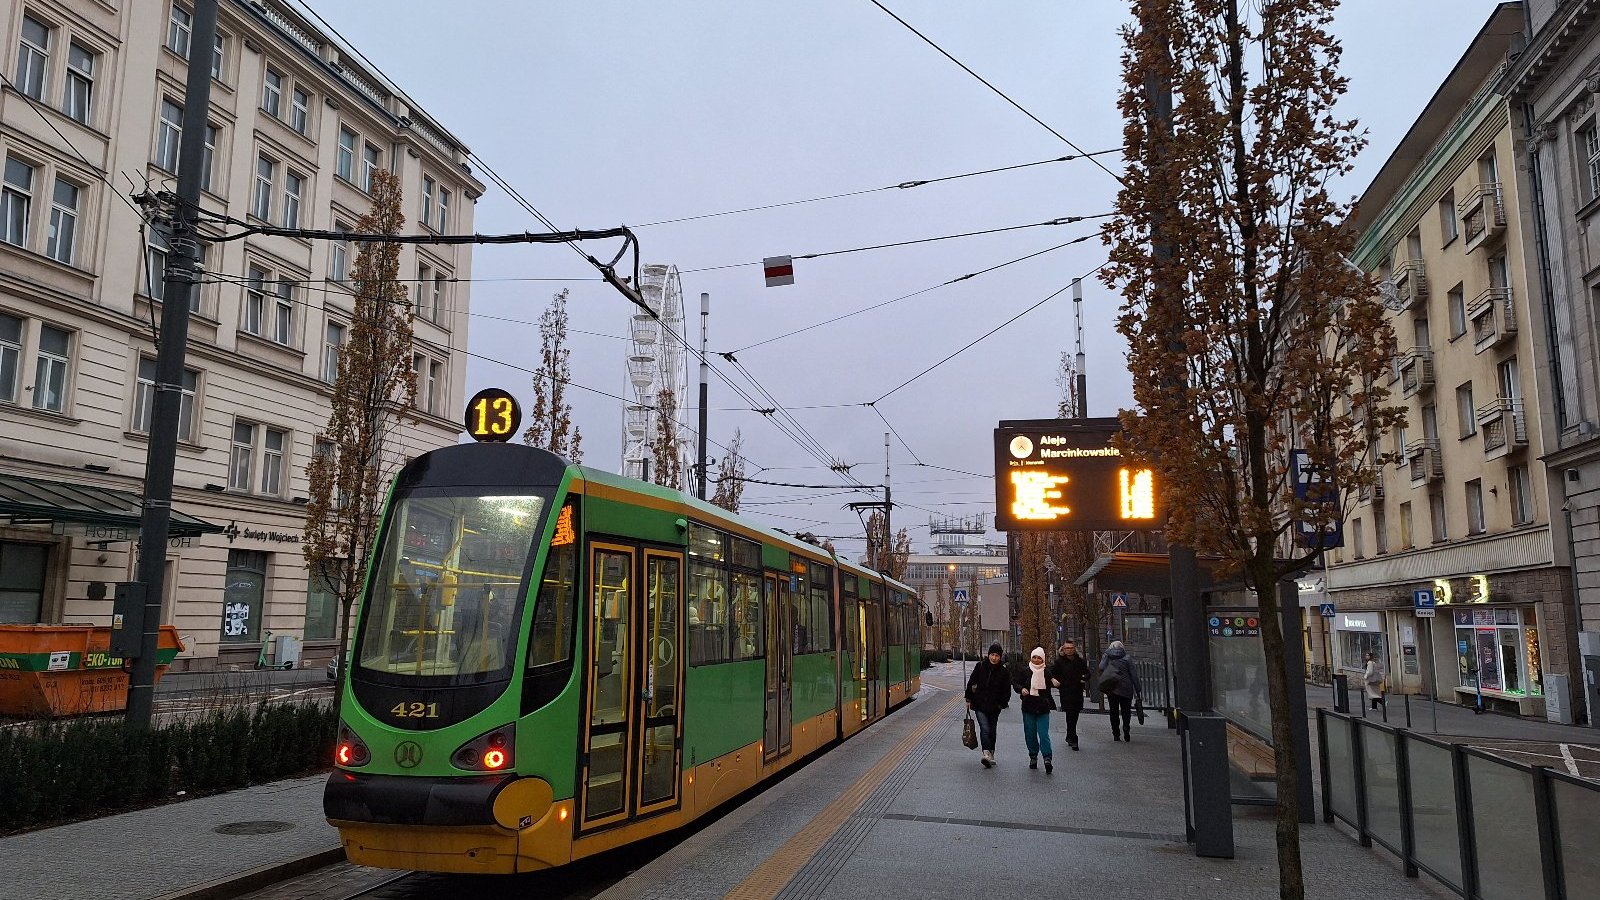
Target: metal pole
(180,277)
(705,368)
(888,507)
(1433,668)
(1083,378)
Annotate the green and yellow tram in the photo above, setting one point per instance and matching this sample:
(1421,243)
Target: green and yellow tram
(551,661)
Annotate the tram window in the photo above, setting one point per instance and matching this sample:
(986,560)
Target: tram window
(706,544)
(708,614)
(555,614)
(746,622)
(745,554)
(821,608)
(800,613)
(848,586)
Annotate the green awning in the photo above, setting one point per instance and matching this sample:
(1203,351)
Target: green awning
(38,501)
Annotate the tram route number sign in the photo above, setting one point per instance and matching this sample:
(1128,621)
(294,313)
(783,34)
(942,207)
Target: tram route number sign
(1068,475)
(493,416)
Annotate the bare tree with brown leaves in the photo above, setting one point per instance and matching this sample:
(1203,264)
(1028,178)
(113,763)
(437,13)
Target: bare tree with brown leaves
(550,420)
(890,559)
(1243,336)
(375,384)
(730,475)
(666,459)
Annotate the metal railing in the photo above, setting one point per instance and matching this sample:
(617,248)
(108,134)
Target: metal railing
(1434,804)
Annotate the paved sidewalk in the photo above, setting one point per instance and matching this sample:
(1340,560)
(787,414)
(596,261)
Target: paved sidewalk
(169,849)
(1456,721)
(1109,822)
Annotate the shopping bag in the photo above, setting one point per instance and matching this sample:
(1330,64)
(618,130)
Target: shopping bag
(1138,710)
(969,733)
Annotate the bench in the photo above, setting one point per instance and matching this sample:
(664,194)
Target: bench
(1500,701)
(1250,755)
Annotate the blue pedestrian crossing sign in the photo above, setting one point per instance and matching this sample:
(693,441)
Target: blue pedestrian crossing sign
(1119,600)
(1327,610)
(960,596)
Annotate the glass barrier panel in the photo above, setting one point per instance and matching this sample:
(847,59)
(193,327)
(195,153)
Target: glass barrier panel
(1341,770)
(1506,831)
(1577,810)
(1382,778)
(1433,810)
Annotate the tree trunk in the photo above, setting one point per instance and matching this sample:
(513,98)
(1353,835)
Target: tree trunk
(1291,880)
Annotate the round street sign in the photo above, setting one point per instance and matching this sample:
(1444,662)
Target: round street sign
(493,415)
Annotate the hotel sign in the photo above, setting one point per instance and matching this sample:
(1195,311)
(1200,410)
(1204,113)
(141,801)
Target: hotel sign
(1066,475)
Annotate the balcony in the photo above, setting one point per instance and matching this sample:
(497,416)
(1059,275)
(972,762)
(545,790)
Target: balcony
(1416,371)
(1483,215)
(1411,284)
(1424,462)
(1373,491)
(1493,318)
(1503,426)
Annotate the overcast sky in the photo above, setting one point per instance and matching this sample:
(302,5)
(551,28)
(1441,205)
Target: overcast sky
(606,113)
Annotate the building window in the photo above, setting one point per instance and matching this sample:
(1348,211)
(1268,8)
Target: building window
(434,383)
(332,345)
(294,185)
(272,447)
(243,596)
(1465,411)
(438,296)
(63,222)
(1436,513)
(1380,530)
(427,199)
(144,399)
(272,94)
(78,102)
(244,445)
(10,356)
(424,284)
(322,608)
(1355,645)
(22,593)
(1457,302)
(1589,144)
(345,163)
(16,201)
(266,174)
(283,312)
(444,208)
(1406,539)
(341,254)
(33,57)
(371,161)
(219,50)
(300,111)
(1475,523)
(255,301)
(168,135)
(1449,228)
(155,284)
(1521,489)
(1499,649)
(208,156)
(1359,538)
(179,26)
(50,373)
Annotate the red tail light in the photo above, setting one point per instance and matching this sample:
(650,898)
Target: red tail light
(488,752)
(350,751)
(494,759)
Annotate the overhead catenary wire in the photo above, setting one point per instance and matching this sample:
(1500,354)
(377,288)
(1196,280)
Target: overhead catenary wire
(988,84)
(904,185)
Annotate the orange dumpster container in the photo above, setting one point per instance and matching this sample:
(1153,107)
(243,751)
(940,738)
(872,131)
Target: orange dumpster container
(68,670)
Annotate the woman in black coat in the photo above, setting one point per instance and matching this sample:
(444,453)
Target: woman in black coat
(1070,674)
(988,692)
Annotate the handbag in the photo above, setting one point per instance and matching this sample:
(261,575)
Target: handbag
(1138,709)
(969,733)
(1109,682)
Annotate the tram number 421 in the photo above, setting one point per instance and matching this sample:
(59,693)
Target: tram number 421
(415,711)
(493,415)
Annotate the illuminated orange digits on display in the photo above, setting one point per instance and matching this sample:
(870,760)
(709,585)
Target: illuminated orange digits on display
(564,534)
(1032,493)
(1137,488)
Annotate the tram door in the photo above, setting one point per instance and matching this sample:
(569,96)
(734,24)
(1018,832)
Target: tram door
(872,660)
(777,735)
(632,746)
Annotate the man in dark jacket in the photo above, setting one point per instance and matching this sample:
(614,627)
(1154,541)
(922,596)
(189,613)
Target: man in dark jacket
(988,692)
(1070,674)
(1120,682)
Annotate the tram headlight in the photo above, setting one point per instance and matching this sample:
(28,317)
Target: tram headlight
(488,752)
(350,751)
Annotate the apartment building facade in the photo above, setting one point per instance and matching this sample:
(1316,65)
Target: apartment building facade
(1465,510)
(93,114)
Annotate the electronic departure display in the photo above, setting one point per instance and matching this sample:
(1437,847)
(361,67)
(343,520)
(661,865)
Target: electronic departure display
(493,416)
(1066,474)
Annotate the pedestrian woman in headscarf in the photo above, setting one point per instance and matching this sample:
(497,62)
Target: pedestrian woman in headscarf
(1037,704)
(988,692)
(1119,681)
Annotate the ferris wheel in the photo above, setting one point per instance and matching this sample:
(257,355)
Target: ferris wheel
(657,365)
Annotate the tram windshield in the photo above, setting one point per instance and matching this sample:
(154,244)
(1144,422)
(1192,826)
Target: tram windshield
(445,597)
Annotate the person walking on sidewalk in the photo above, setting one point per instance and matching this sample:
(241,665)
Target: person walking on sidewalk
(1037,704)
(1120,683)
(1070,674)
(988,692)
(1373,676)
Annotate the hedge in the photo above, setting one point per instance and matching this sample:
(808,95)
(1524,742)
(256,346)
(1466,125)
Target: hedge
(58,771)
